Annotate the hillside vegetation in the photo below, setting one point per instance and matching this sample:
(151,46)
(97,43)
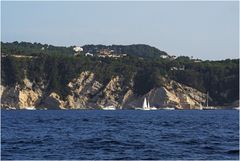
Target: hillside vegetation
(26,48)
(143,64)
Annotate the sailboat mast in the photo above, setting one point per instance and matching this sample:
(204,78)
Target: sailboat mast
(207,100)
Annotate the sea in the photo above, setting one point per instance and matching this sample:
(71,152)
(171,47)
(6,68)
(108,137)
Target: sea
(119,135)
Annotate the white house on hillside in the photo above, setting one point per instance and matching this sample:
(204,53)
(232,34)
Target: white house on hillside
(77,49)
(164,56)
(88,54)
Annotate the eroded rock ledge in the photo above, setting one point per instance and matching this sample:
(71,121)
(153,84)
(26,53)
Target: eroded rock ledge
(88,93)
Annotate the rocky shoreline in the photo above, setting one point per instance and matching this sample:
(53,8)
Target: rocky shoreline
(87,91)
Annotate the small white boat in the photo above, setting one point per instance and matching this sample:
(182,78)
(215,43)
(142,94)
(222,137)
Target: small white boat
(109,108)
(168,108)
(209,108)
(30,108)
(153,108)
(237,108)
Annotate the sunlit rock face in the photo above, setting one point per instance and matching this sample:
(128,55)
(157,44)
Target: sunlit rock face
(171,94)
(86,92)
(21,97)
(176,95)
(82,88)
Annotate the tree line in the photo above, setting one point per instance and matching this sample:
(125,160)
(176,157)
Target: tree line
(219,78)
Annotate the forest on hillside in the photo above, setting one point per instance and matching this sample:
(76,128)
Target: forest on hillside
(59,66)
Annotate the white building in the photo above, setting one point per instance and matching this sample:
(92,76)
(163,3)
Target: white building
(77,49)
(164,56)
(88,54)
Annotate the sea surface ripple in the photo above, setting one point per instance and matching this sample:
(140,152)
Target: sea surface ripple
(120,134)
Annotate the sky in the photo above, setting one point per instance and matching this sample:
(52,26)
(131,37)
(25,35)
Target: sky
(206,30)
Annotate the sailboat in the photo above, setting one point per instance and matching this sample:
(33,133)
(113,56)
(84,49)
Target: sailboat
(208,107)
(146,105)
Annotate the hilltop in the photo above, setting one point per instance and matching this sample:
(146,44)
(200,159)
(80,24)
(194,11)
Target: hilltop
(33,49)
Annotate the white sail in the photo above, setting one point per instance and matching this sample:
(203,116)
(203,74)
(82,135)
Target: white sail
(148,104)
(145,106)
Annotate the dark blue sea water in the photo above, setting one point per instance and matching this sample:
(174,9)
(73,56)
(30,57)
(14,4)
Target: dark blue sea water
(122,134)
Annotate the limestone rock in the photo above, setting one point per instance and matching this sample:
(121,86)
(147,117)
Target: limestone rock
(2,88)
(28,83)
(21,97)
(113,93)
(129,96)
(10,98)
(82,88)
(87,92)
(28,98)
(172,94)
(53,101)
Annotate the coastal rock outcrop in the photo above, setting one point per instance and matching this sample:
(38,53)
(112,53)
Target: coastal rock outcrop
(83,89)
(172,94)
(86,92)
(20,97)
(28,98)
(2,88)
(53,101)
(112,93)
(10,97)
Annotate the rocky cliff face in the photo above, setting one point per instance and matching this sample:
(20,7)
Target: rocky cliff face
(82,89)
(88,93)
(171,94)
(18,97)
